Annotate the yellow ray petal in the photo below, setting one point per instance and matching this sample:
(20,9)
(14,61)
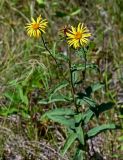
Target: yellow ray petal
(73,29)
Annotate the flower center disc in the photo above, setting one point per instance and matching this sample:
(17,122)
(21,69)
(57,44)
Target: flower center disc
(78,35)
(35,26)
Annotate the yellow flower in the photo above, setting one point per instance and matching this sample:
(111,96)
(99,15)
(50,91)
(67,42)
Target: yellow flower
(35,28)
(79,36)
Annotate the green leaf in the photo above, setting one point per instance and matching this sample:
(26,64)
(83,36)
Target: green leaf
(83,99)
(9,95)
(120,138)
(78,117)
(97,86)
(89,101)
(43,101)
(72,137)
(60,112)
(62,56)
(41,1)
(63,116)
(103,107)
(56,98)
(79,154)
(23,97)
(13,82)
(94,131)
(75,77)
(69,122)
(80,134)
(121,116)
(121,148)
(58,88)
(8,111)
(60,98)
(25,115)
(88,115)
(97,110)
(93,88)
(75,12)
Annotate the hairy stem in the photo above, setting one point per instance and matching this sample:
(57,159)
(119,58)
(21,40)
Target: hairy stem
(71,82)
(44,43)
(85,61)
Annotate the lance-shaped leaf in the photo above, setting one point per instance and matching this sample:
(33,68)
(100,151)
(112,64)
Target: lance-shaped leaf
(69,122)
(83,99)
(97,86)
(56,98)
(104,107)
(99,109)
(8,111)
(78,118)
(63,116)
(94,131)
(79,154)
(90,102)
(80,134)
(93,88)
(88,115)
(60,112)
(58,88)
(72,137)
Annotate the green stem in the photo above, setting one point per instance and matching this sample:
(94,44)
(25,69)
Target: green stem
(44,43)
(71,82)
(85,61)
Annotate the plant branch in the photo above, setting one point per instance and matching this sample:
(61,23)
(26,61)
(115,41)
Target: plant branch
(71,81)
(44,43)
(85,61)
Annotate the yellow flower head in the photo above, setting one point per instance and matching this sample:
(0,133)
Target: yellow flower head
(35,28)
(79,36)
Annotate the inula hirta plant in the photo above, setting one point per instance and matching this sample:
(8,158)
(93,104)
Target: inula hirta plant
(74,117)
(35,28)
